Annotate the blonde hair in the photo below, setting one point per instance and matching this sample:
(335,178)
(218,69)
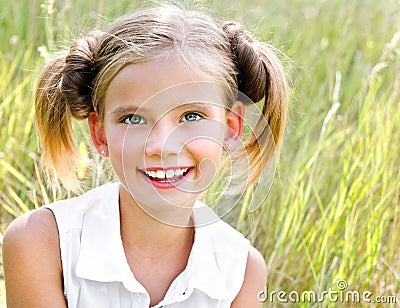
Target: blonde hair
(74,82)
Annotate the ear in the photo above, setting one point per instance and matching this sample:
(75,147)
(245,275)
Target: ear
(98,134)
(234,125)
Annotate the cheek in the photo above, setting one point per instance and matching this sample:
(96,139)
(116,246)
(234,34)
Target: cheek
(115,139)
(206,149)
(207,155)
(125,148)
(206,141)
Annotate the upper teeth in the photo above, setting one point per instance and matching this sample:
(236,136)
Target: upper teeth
(162,174)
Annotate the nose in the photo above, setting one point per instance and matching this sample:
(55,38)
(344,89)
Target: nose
(162,141)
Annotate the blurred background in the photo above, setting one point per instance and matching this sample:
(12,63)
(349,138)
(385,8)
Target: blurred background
(333,211)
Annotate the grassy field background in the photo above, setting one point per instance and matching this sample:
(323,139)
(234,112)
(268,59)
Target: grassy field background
(333,211)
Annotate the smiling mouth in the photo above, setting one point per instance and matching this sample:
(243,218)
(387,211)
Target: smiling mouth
(166,175)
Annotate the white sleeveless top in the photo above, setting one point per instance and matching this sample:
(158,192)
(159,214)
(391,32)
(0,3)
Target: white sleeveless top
(97,274)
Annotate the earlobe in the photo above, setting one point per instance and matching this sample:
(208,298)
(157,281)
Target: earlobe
(98,134)
(234,126)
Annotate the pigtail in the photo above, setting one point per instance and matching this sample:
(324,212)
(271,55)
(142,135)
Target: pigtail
(63,93)
(260,75)
(53,124)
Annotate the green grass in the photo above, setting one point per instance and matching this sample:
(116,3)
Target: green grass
(333,212)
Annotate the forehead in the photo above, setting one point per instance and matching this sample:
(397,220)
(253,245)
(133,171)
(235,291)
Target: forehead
(164,83)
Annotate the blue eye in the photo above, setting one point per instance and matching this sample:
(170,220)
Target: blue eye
(192,117)
(134,120)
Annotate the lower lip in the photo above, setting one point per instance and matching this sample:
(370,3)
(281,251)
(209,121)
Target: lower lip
(166,184)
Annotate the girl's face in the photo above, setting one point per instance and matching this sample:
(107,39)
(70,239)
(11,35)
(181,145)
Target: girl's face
(164,128)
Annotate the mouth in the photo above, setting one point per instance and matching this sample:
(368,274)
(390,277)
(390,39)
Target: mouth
(165,178)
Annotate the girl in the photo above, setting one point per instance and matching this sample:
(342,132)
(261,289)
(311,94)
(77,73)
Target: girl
(160,89)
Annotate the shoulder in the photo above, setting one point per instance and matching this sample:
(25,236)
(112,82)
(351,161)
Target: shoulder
(34,228)
(69,213)
(254,281)
(31,260)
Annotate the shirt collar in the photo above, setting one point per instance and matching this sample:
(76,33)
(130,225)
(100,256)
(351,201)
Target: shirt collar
(204,273)
(102,257)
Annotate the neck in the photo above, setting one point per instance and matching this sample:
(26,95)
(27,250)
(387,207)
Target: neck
(149,236)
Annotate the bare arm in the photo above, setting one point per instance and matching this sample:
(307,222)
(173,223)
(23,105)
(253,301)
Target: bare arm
(32,262)
(254,282)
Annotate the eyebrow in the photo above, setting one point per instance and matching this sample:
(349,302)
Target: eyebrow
(123,110)
(200,106)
